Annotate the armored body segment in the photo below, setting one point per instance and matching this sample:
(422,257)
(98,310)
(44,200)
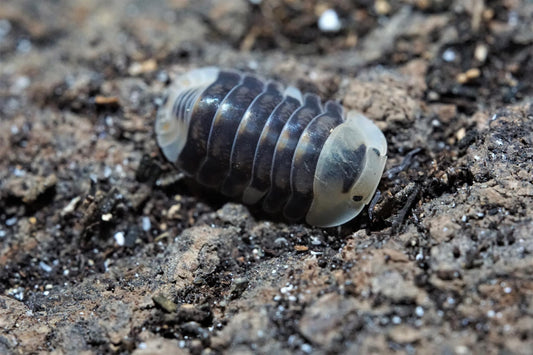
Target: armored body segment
(247,139)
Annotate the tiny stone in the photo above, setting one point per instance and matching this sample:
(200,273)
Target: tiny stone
(24,46)
(382,7)
(448,55)
(419,311)
(329,21)
(45,267)
(146,224)
(119,238)
(5,27)
(306,348)
(11,221)
(481,52)
(164,303)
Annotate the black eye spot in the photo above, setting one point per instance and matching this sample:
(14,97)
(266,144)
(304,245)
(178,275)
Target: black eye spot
(357,198)
(376,151)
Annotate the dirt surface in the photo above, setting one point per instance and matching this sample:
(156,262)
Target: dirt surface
(105,248)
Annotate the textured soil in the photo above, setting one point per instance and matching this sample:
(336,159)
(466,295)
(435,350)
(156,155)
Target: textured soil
(106,248)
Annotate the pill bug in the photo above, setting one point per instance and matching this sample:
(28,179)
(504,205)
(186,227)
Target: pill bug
(260,142)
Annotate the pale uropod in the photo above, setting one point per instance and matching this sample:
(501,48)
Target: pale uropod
(263,143)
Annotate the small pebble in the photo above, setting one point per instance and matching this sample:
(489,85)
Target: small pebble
(449,55)
(21,83)
(481,52)
(329,21)
(419,311)
(5,27)
(306,348)
(147,66)
(382,7)
(162,76)
(24,46)
(45,267)
(119,238)
(146,224)
(11,221)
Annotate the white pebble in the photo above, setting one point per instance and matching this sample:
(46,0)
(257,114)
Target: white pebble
(146,224)
(24,46)
(21,83)
(45,267)
(119,238)
(5,27)
(329,21)
(419,311)
(448,55)
(11,221)
(306,348)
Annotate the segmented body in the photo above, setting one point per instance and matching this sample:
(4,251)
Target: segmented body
(262,143)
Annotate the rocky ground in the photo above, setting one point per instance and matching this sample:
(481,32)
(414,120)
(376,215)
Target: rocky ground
(105,248)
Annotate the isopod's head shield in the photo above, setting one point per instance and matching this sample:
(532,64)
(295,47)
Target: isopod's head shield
(172,122)
(348,171)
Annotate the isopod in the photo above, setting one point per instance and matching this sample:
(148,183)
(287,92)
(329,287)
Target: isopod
(261,142)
